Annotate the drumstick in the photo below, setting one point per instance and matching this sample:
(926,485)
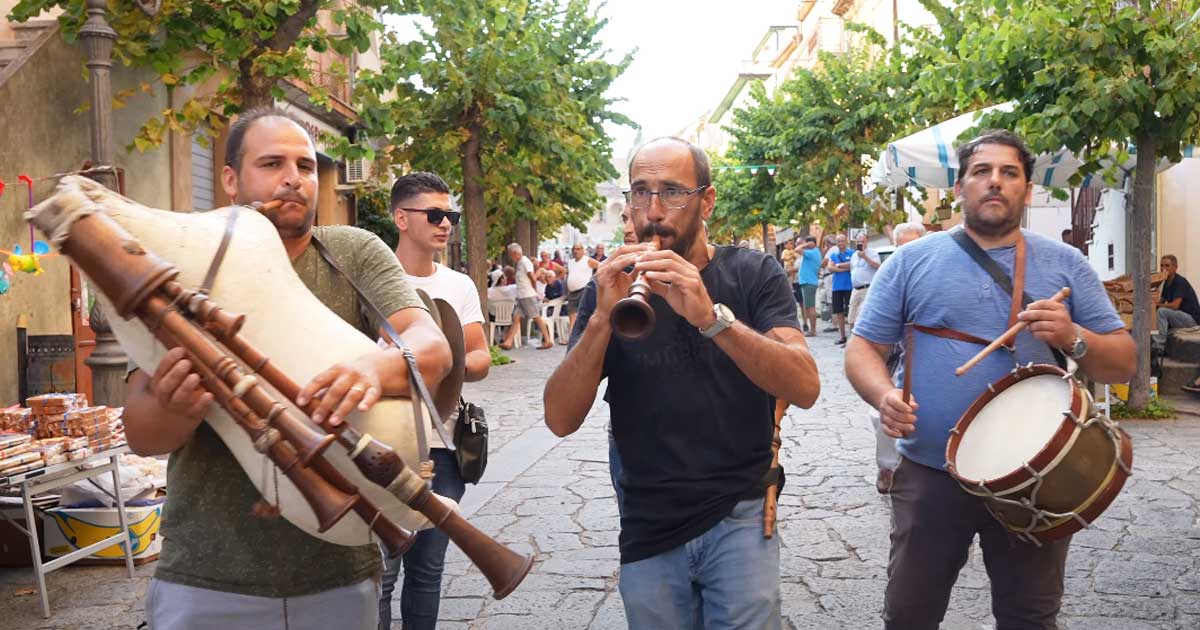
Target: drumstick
(908,352)
(1008,336)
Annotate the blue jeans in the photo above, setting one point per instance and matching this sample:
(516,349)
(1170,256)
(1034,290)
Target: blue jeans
(726,578)
(614,470)
(423,563)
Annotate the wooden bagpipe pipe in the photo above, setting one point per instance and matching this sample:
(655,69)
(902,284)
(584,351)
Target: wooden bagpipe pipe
(347,484)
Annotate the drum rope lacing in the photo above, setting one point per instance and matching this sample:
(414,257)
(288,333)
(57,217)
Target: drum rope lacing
(1039,516)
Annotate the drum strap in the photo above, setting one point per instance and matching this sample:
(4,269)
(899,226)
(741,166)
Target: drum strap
(414,374)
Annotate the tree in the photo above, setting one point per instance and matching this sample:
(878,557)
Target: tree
(247,47)
(1104,79)
(506,100)
(746,197)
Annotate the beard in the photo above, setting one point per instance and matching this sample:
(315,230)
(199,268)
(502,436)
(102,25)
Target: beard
(288,225)
(681,241)
(990,222)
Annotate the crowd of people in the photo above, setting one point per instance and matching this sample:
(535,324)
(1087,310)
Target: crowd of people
(694,405)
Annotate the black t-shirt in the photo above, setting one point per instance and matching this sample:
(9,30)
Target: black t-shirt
(694,433)
(1181,288)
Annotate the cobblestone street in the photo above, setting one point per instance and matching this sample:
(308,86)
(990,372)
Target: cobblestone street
(1137,568)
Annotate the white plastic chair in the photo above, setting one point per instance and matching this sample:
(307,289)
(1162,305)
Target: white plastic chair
(551,310)
(502,317)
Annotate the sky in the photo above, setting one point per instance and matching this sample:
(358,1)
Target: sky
(688,54)
(694,46)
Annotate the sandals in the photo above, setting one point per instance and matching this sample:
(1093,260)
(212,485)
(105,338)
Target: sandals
(1193,388)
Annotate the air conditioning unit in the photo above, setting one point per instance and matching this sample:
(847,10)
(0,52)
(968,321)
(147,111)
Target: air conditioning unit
(357,170)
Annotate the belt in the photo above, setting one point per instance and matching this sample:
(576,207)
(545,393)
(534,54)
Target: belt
(865,286)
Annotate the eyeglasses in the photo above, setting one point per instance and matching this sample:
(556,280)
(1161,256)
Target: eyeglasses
(435,215)
(672,198)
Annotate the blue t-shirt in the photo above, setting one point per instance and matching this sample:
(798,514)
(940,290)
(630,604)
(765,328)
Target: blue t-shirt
(933,282)
(841,279)
(810,264)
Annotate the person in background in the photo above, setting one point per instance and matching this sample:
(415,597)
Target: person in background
(837,259)
(579,272)
(863,265)
(787,258)
(808,278)
(600,256)
(527,299)
(1177,305)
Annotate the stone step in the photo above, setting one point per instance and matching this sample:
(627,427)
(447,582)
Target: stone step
(1176,373)
(1184,345)
(10,51)
(31,29)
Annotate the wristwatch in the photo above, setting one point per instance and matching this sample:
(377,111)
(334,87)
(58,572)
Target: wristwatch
(725,319)
(1079,348)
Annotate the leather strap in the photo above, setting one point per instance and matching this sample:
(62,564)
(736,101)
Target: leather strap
(950,333)
(1001,278)
(414,374)
(213,267)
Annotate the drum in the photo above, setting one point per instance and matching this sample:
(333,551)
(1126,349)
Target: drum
(1044,459)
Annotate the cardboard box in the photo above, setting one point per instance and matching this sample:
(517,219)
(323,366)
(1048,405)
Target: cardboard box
(75,528)
(1120,391)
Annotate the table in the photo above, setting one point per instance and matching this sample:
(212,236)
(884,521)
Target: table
(56,476)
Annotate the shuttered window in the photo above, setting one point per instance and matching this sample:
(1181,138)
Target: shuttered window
(202,176)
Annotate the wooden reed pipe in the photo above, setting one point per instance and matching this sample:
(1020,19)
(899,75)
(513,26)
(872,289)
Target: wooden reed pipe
(632,318)
(1008,336)
(771,500)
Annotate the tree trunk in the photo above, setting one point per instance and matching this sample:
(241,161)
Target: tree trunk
(524,237)
(1139,238)
(256,89)
(768,247)
(474,212)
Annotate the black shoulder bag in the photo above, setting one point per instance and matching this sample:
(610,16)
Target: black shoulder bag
(471,440)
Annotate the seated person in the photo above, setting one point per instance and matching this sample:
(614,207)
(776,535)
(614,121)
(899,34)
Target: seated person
(1177,305)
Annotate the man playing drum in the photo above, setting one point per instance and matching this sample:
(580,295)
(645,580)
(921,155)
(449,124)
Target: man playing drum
(222,568)
(692,403)
(935,283)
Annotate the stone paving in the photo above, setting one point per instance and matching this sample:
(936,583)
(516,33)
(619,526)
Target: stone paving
(1138,568)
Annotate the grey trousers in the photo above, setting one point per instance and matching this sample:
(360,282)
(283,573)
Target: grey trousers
(171,606)
(933,525)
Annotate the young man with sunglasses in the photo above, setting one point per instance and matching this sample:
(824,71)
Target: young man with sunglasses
(423,216)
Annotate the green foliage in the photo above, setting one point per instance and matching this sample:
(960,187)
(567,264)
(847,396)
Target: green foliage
(506,100)
(498,357)
(223,56)
(1155,409)
(374,215)
(1095,76)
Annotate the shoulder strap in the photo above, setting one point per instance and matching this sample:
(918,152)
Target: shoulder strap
(1020,297)
(414,374)
(213,267)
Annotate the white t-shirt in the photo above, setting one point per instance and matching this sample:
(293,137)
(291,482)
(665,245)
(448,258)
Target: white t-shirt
(460,293)
(525,287)
(861,272)
(506,293)
(579,272)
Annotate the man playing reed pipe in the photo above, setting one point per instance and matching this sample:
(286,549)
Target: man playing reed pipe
(424,219)
(691,403)
(223,567)
(934,282)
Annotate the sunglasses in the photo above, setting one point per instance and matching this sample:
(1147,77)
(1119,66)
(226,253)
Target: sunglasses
(435,215)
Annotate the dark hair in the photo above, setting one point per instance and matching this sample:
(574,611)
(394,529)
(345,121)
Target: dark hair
(699,159)
(995,136)
(415,184)
(810,239)
(1172,258)
(1066,231)
(246,120)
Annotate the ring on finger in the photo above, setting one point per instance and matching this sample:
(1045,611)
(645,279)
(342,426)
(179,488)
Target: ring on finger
(358,388)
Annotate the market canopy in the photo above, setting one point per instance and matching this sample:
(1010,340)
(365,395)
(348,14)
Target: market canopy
(928,159)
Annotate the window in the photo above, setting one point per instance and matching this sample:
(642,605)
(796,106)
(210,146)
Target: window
(202,176)
(1112,259)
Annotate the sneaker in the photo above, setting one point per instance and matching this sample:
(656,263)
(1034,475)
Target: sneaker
(841,342)
(1194,387)
(830,329)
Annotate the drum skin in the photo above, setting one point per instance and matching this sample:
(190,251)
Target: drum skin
(284,320)
(1077,470)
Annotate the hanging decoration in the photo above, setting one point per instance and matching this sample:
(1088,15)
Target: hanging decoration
(18,259)
(751,168)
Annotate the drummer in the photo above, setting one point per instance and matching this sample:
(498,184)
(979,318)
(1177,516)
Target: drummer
(937,284)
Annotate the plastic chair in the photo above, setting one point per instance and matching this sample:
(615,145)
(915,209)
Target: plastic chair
(551,310)
(502,317)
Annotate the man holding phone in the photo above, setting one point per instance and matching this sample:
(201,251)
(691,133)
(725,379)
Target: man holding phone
(863,265)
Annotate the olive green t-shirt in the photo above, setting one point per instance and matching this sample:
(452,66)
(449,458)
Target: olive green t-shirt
(210,538)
